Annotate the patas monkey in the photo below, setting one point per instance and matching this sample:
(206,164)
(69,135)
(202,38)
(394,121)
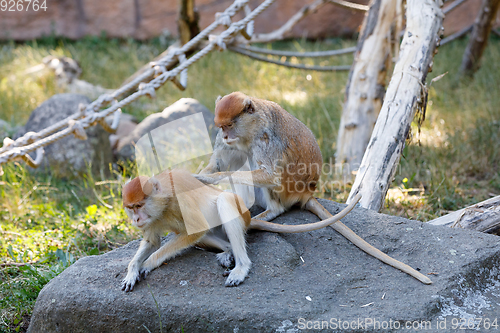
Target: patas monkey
(198,214)
(284,158)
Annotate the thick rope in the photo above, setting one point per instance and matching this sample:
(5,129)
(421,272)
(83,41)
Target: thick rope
(157,66)
(316,54)
(456,35)
(289,64)
(452,6)
(90,115)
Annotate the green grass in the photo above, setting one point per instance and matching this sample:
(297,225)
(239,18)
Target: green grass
(48,222)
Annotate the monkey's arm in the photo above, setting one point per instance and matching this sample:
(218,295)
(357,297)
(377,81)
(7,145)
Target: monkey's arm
(169,250)
(210,168)
(133,275)
(258,178)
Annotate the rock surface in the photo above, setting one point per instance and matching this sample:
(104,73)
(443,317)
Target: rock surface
(5,129)
(151,18)
(181,108)
(295,280)
(69,156)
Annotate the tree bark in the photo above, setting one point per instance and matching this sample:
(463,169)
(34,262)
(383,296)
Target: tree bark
(406,91)
(365,88)
(187,21)
(479,37)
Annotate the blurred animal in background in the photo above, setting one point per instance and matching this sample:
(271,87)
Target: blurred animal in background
(67,72)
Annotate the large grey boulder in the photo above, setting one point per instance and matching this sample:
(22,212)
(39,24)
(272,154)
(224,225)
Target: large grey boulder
(183,107)
(297,281)
(69,156)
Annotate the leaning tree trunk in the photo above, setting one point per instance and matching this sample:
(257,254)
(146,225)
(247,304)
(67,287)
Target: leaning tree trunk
(187,21)
(479,37)
(365,88)
(405,92)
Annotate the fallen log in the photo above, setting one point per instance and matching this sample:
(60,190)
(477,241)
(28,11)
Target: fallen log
(483,216)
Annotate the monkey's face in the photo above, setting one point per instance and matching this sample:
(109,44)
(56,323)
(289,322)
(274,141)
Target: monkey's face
(145,201)
(229,134)
(137,212)
(233,115)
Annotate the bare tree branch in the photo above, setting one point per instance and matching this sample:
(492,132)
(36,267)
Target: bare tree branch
(350,5)
(280,33)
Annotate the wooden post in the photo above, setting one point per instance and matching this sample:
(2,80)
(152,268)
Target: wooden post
(187,21)
(365,87)
(479,37)
(405,92)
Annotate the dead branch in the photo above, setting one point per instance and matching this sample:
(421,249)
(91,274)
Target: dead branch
(479,37)
(280,33)
(405,93)
(366,85)
(350,5)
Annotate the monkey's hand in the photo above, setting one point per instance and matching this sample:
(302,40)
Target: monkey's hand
(208,179)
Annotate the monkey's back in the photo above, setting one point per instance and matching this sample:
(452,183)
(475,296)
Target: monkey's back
(300,159)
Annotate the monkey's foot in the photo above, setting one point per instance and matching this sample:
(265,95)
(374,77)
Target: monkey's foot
(226,259)
(237,276)
(144,273)
(130,280)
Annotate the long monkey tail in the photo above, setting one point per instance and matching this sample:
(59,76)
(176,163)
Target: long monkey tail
(315,207)
(275,227)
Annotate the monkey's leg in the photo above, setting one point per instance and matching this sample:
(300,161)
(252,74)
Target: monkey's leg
(225,258)
(235,231)
(316,208)
(169,250)
(133,275)
(273,207)
(269,214)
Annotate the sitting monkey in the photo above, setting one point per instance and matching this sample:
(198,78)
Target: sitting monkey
(198,214)
(285,162)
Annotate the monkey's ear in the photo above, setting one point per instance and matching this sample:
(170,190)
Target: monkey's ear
(155,185)
(248,106)
(218,99)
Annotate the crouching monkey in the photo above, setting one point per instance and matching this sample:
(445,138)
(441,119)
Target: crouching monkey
(284,158)
(198,214)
